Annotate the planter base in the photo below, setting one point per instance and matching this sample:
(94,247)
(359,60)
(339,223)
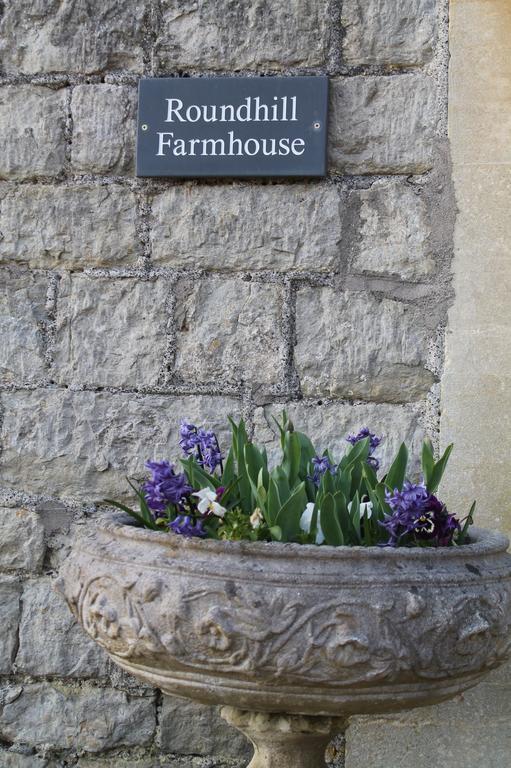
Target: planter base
(285,741)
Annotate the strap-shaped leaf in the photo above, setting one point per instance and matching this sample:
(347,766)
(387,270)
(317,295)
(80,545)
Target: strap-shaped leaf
(288,518)
(397,472)
(439,470)
(329,522)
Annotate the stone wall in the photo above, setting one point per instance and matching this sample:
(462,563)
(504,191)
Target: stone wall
(131,303)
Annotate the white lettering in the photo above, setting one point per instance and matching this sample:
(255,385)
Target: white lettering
(284,146)
(299,142)
(246,107)
(223,110)
(196,111)
(171,110)
(258,108)
(273,150)
(179,148)
(233,141)
(162,143)
(211,119)
(256,145)
(213,143)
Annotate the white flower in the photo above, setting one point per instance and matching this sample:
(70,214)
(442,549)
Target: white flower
(256,518)
(208,505)
(306,520)
(366,508)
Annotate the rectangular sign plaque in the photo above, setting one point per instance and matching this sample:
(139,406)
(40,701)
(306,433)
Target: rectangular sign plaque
(232,126)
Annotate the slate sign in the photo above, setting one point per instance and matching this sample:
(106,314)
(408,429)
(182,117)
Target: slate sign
(232,126)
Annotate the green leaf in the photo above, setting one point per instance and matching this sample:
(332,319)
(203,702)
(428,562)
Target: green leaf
(307,453)
(469,520)
(245,488)
(397,472)
(132,514)
(439,470)
(281,481)
(290,513)
(355,512)
(291,459)
(273,504)
(276,532)
(197,476)
(329,522)
(427,461)
(255,464)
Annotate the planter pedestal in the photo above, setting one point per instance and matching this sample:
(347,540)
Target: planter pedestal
(285,741)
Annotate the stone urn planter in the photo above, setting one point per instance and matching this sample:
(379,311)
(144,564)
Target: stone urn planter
(293,639)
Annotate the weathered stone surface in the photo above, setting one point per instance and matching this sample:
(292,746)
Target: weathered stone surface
(71,227)
(103,129)
(84,718)
(21,539)
(381,32)
(10,593)
(229,330)
(188,728)
(369,349)
(471,731)
(278,227)
(389,231)
(382,124)
(51,641)
(56,36)
(407,627)
(22,317)
(16,760)
(32,122)
(110,333)
(83,444)
(242,35)
(329,423)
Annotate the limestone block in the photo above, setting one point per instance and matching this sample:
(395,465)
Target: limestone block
(236,227)
(32,125)
(368,348)
(17,760)
(188,728)
(22,316)
(84,718)
(83,444)
(51,641)
(390,227)
(399,33)
(21,539)
(72,227)
(242,35)
(110,333)
(329,423)
(103,129)
(58,36)
(229,330)
(382,124)
(10,593)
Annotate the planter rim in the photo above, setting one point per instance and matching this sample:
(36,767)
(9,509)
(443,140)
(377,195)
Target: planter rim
(483,542)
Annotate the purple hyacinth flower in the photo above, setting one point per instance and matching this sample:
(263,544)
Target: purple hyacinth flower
(321,465)
(203,443)
(184,525)
(165,486)
(188,438)
(374,442)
